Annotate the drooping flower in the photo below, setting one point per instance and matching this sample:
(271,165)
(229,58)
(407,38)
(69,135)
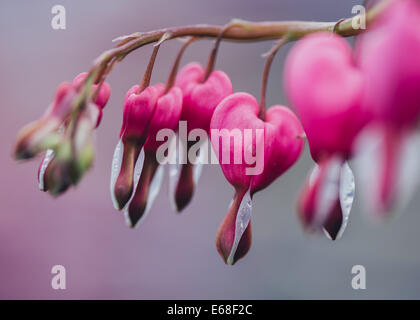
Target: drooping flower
(325,87)
(166,116)
(138,110)
(101,99)
(135,165)
(41,134)
(73,156)
(200,98)
(252,153)
(388,55)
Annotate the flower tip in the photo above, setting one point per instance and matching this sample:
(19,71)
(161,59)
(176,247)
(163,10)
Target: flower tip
(184,193)
(23,149)
(58,186)
(122,194)
(135,212)
(22,152)
(224,247)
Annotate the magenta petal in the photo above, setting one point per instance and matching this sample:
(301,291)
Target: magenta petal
(278,141)
(201,98)
(388,55)
(326,89)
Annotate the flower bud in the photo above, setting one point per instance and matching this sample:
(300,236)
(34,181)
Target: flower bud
(137,113)
(166,116)
(41,135)
(72,157)
(200,99)
(234,236)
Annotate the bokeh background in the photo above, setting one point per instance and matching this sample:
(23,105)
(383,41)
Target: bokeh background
(171,256)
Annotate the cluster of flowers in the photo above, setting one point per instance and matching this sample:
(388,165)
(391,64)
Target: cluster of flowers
(360,103)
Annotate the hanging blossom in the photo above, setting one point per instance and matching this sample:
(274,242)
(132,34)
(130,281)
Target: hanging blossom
(389,147)
(357,105)
(203,89)
(326,88)
(362,104)
(69,149)
(136,175)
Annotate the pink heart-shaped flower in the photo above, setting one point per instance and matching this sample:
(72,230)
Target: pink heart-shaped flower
(388,55)
(252,153)
(326,88)
(200,99)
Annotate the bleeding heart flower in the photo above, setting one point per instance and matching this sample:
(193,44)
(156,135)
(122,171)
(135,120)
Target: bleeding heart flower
(160,110)
(271,146)
(100,102)
(326,88)
(200,99)
(137,112)
(389,57)
(201,96)
(72,157)
(40,135)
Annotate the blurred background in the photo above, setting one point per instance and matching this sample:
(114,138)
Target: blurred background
(170,256)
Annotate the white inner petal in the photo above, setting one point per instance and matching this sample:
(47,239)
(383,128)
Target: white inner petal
(115,170)
(49,155)
(242,220)
(367,165)
(202,158)
(328,191)
(408,170)
(347,190)
(174,170)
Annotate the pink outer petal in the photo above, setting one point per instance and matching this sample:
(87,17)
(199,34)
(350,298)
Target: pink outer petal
(237,111)
(61,105)
(166,116)
(282,146)
(137,113)
(389,56)
(104,91)
(201,99)
(189,76)
(325,88)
